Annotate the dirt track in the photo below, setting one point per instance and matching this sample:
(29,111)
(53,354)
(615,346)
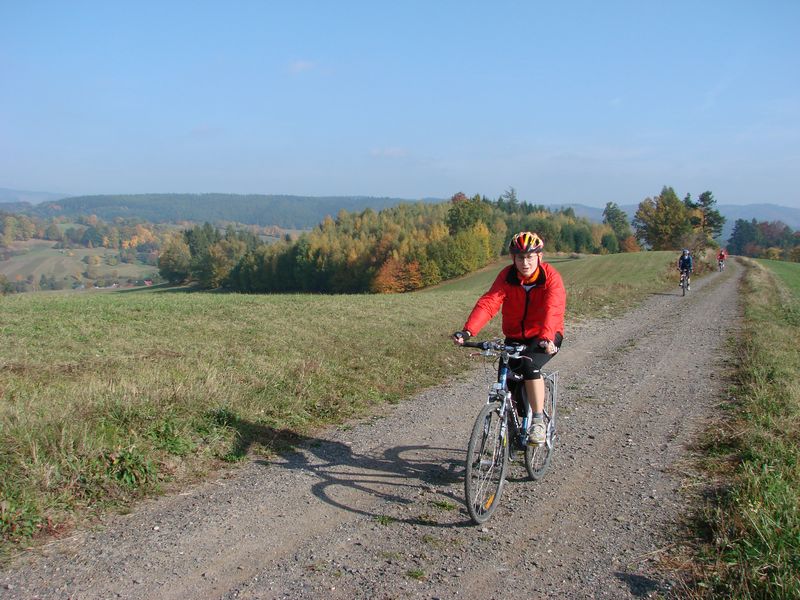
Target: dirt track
(376,511)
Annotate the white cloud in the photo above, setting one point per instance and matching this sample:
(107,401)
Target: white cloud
(301,66)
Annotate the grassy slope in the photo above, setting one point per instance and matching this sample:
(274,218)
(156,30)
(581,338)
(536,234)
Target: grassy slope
(106,397)
(42,259)
(788,272)
(752,548)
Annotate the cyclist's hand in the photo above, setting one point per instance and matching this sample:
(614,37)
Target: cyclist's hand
(549,346)
(459,337)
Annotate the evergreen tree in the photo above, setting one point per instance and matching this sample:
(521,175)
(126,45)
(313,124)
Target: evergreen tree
(615,217)
(744,233)
(610,243)
(712,220)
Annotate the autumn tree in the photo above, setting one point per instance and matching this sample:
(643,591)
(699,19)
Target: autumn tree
(388,279)
(222,257)
(466,213)
(175,260)
(629,244)
(663,222)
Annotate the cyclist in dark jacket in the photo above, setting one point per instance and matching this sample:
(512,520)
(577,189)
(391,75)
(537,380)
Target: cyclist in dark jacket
(685,266)
(532,297)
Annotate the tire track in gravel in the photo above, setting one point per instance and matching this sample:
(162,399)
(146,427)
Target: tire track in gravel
(375,511)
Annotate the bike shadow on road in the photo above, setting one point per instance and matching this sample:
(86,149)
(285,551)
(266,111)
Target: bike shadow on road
(410,475)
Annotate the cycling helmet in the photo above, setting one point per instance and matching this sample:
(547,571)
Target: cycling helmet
(686,251)
(525,242)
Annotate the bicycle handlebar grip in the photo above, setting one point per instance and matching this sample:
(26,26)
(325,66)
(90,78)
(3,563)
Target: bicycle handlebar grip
(481,345)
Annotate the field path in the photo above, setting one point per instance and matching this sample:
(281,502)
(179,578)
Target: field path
(376,510)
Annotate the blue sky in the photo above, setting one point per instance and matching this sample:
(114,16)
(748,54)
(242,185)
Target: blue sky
(583,102)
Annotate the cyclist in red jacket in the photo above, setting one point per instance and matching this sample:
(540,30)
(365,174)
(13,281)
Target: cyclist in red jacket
(533,299)
(721,256)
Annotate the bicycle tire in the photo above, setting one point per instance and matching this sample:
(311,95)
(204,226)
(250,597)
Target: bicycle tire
(683,286)
(538,458)
(487,462)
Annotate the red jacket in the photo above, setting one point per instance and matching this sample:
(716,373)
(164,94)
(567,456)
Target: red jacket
(537,313)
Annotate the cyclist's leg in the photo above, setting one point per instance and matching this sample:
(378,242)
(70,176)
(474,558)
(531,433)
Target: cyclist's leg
(535,388)
(531,368)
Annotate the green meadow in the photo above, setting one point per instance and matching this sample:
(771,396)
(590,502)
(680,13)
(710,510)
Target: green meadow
(105,398)
(787,272)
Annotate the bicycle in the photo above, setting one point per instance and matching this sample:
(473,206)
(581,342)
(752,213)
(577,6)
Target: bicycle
(684,281)
(505,418)
(721,265)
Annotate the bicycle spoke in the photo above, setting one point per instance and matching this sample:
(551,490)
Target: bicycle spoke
(487,460)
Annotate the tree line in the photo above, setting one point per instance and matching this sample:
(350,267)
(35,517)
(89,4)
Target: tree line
(402,248)
(762,239)
(665,222)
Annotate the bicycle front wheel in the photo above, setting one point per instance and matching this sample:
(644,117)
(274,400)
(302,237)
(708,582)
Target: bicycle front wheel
(537,458)
(487,461)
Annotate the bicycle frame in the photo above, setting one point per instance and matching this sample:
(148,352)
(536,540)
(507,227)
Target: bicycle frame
(506,414)
(685,274)
(500,390)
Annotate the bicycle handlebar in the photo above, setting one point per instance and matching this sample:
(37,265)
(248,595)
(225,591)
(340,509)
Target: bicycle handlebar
(497,346)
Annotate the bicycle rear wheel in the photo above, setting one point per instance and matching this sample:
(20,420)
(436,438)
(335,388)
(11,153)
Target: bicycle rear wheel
(487,461)
(537,458)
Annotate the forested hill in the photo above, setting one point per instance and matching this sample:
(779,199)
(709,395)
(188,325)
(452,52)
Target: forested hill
(288,212)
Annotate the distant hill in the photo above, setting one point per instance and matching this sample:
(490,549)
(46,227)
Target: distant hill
(289,212)
(731,212)
(17,197)
(759,212)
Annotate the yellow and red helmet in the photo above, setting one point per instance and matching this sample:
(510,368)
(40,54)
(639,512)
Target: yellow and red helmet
(525,242)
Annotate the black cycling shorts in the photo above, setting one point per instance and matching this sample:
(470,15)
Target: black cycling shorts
(531,366)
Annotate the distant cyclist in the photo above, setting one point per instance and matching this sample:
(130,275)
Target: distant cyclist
(685,267)
(532,297)
(721,258)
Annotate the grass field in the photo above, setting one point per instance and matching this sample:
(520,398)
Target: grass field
(751,526)
(596,285)
(788,272)
(108,397)
(41,258)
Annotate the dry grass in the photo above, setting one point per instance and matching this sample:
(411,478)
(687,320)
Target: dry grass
(748,531)
(105,398)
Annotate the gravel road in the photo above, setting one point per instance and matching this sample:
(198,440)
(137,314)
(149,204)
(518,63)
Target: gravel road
(376,510)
